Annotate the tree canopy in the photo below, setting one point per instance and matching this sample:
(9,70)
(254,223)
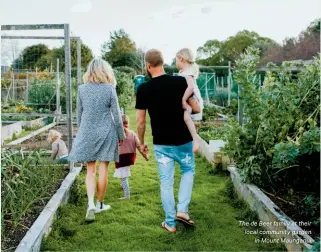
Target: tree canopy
(215,52)
(42,57)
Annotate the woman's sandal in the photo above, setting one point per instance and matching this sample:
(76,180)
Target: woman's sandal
(167,228)
(185,221)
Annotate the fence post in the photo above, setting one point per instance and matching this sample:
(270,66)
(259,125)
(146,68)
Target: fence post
(68,87)
(58,90)
(78,69)
(206,92)
(27,87)
(13,87)
(229,83)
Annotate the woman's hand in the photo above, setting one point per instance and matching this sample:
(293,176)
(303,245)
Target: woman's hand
(120,142)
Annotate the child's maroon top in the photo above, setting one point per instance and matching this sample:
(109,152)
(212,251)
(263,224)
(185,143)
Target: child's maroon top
(127,152)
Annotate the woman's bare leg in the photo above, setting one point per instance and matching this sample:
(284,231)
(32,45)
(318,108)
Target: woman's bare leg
(191,127)
(103,180)
(91,183)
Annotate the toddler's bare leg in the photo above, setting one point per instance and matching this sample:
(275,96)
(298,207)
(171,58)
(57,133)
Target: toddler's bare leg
(191,127)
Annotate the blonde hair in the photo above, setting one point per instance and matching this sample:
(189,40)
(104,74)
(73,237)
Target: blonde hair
(187,55)
(99,71)
(125,119)
(54,134)
(154,57)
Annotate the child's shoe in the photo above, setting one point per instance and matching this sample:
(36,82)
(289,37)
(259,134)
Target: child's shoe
(124,198)
(100,206)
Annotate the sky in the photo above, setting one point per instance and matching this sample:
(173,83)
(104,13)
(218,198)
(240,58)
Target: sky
(168,25)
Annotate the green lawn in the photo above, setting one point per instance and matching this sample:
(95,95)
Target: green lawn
(134,225)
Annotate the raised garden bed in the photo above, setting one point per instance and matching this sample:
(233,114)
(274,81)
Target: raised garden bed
(212,152)
(27,184)
(39,141)
(272,217)
(42,226)
(12,131)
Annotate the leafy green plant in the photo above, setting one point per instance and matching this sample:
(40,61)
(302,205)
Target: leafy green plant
(309,209)
(124,88)
(221,97)
(212,132)
(279,145)
(232,109)
(209,113)
(315,246)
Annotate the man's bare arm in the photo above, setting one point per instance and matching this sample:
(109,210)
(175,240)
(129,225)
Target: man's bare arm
(141,124)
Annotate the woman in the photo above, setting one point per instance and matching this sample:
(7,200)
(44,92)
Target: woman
(100,130)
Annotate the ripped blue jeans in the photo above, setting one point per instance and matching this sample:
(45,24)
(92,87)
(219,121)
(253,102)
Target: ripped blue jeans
(166,156)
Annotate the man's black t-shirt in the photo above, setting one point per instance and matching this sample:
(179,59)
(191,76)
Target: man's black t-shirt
(162,97)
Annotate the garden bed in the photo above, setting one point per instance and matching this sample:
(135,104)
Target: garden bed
(40,140)
(9,131)
(18,129)
(27,184)
(273,218)
(212,152)
(42,226)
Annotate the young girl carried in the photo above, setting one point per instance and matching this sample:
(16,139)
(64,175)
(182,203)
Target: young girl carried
(190,70)
(127,157)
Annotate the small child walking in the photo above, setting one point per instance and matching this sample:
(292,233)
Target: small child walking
(127,157)
(59,148)
(190,70)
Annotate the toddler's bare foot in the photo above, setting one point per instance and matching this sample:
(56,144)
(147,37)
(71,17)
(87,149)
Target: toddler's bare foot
(196,146)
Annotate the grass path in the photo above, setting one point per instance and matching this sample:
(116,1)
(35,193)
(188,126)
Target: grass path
(134,225)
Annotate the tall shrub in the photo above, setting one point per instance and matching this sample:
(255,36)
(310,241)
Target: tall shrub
(279,145)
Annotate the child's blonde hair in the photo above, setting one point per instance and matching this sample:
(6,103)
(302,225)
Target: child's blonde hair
(187,56)
(99,71)
(125,119)
(54,134)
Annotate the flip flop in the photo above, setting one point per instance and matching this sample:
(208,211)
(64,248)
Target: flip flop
(166,228)
(185,221)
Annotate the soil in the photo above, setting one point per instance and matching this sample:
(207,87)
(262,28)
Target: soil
(14,236)
(40,140)
(288,203)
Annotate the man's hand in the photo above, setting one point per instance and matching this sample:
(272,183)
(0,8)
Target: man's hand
(143,149)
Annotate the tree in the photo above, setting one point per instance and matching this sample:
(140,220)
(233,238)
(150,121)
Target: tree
(129,59)
(264,45)
(30,55)
(209,49)
(41,56)
(215,52)
(119,44)
(45,62)
(59,53)
(304,47)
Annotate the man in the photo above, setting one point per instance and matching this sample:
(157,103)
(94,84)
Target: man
(162,98)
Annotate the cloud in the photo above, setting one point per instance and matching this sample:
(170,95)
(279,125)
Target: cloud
(206,10)
(177,13)
(81,7)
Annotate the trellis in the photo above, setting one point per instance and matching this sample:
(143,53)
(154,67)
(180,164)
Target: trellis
(66,39)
